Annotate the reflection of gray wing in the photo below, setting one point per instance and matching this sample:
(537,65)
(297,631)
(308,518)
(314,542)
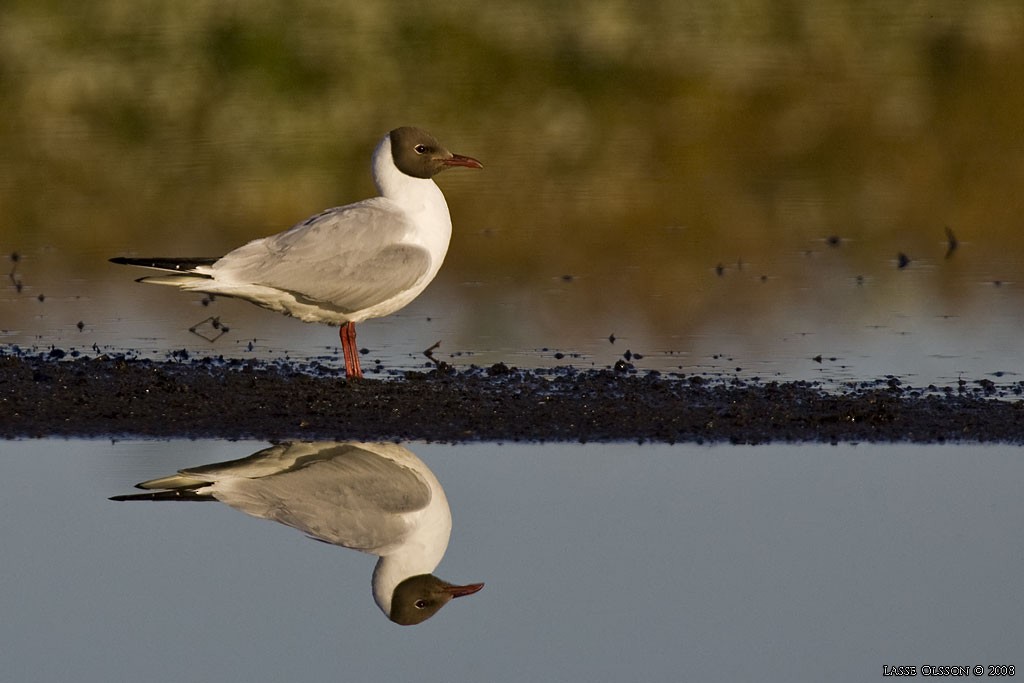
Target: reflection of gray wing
(352,257)
(344,495)
(270,460)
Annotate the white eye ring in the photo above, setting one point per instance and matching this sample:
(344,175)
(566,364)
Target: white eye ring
(420,149)
(420,604)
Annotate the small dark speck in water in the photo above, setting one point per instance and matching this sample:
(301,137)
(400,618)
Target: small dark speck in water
(13,275)
(719,270)
(429,351)
(217,326)
(951,242)
(80,326)
(833,240)
(902,260)
(611,338)
(41,297)
(568,278)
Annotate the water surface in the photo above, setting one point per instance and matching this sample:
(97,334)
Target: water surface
(724,189)
(601,562)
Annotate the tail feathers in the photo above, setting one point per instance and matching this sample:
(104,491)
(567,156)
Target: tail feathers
(176,494)
(177,481)
(174,487)
(176,280)
(177,265)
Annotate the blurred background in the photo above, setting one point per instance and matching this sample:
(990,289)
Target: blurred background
(789,189)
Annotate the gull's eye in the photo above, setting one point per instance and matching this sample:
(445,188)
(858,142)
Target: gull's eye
(421,603)
(420,149)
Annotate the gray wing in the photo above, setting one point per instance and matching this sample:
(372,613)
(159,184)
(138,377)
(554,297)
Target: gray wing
(351,257)
(268,461)
(346,496)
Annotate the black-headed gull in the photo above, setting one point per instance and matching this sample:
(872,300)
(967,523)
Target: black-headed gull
(378,498)
(346,264)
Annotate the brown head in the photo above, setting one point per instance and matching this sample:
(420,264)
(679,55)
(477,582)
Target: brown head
(418,153)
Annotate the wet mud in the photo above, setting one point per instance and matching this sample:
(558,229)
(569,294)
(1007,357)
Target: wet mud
(54,394)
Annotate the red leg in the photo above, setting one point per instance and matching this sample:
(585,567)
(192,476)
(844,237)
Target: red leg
(349,350)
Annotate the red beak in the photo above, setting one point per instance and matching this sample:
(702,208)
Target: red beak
(468,162)
(459,591)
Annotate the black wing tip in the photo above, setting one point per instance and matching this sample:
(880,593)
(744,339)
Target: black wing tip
(177,265)
(174,494)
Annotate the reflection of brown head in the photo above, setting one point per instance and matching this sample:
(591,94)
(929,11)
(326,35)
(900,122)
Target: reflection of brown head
(420,597)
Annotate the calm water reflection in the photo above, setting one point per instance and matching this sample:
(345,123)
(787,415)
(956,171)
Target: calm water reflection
(378,498)
(603,562)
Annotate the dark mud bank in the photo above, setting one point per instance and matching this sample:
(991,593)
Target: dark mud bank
(51,395)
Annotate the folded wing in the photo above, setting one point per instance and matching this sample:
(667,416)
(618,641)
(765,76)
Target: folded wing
(351,257)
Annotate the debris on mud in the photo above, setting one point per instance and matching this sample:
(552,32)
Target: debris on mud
(68,394)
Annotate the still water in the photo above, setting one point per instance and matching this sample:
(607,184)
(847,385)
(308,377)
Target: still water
(752,188)
(760,189)
(601,562)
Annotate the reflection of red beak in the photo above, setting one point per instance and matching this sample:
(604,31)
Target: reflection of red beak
(468,162)
(459,591)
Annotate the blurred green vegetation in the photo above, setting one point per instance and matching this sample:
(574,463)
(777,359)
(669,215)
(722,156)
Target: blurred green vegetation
(660,135)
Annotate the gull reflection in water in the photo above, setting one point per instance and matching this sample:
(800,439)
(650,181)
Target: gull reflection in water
(378,498)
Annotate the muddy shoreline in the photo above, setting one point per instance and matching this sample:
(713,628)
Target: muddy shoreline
(52,394)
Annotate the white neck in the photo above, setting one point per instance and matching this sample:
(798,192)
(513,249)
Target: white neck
(397,186)
(420,198)
(420,552)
